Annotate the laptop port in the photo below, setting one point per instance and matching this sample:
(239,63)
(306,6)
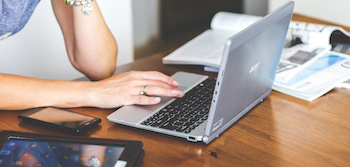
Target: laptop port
(191,138)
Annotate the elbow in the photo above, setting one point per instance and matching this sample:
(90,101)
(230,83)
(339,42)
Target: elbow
(96,65)
(97,70)
(101,73)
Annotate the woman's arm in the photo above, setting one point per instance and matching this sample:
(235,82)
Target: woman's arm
(18,92)
(90,45)
(92,50)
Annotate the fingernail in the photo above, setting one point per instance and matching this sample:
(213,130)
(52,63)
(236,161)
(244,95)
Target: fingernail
(176,83)
(177,92)
(157,99)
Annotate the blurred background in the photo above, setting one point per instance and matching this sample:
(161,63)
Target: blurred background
(160,25)
(141,28)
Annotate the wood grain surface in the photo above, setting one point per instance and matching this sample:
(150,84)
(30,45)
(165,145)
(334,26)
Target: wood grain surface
(281,131)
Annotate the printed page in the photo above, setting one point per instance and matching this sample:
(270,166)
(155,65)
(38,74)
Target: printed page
(344,49)
(319,77)
(296,58)
(207,48)
(235,22)
(314,38)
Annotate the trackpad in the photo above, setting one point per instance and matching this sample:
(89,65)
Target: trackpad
(137,113)
(182,88)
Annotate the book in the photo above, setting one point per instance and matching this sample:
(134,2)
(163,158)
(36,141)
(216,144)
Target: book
(207,48)
(305,45)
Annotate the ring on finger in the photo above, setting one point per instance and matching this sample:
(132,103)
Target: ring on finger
(144,90)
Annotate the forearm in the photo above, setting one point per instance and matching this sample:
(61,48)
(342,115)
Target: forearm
(90,45)
(17,92)
(94,44)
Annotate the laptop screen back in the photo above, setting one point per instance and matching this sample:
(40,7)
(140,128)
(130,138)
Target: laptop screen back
(248,68)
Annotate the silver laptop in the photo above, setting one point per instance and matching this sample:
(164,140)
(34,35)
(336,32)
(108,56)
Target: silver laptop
(245,78)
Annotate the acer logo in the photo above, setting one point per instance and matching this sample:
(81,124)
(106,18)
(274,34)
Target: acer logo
(254,67)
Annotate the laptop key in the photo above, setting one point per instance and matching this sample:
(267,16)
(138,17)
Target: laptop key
(185,114)
(169,126)
(177,123)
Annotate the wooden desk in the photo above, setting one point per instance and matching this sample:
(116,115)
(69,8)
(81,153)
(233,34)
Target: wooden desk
(281,131)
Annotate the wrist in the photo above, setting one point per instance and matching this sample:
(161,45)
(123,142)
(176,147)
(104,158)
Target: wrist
(72,94)
(85,91)
(77,2)
(86,8)
(89,94)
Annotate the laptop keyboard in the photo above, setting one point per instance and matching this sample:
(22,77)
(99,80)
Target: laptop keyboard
(185,114)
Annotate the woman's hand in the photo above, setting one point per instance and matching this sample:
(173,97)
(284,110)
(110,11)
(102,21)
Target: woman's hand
(125,89)
(18,92)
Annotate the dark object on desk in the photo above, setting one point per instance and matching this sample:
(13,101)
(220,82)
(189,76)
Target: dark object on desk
(47,150)
(338,37)
(60,119)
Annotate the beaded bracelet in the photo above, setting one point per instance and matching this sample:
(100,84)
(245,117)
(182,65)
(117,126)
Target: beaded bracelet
(86,8)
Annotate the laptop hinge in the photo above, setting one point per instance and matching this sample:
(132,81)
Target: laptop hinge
(206,139)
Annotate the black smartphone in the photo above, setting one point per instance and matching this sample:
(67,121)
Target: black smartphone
(60,119)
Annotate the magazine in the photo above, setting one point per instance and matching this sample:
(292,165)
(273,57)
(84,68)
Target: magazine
(314,45)
(306,43)
(296,57)
(319,77)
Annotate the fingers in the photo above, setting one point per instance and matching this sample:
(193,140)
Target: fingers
(158,91)
(154,75)
(125,89)
(143,82)
(158,84)
(145,100)
(140,99)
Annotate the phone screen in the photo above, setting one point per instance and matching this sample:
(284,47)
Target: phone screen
(36,152)
(60,117)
